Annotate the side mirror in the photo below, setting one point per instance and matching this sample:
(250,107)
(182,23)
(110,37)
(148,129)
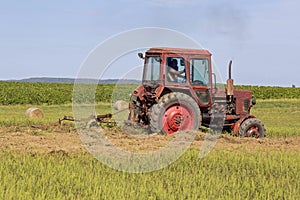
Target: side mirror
(140,55)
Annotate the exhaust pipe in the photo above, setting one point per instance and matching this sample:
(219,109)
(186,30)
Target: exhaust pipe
(229,81)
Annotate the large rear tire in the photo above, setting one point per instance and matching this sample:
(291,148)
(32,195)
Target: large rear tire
(174,112)
(252,127)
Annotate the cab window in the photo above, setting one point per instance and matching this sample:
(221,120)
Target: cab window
(175,70)
(199,71)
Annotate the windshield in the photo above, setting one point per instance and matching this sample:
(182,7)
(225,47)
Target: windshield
(152,68)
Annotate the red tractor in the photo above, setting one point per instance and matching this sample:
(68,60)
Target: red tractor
(179,92)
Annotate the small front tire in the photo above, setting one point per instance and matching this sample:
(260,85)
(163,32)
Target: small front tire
(252,127)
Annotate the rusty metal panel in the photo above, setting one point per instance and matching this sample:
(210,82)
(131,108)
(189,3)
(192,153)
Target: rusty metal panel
(241,96)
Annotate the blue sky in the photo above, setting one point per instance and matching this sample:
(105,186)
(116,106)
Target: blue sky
(41,38)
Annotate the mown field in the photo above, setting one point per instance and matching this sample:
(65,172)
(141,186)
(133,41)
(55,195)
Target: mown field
(40,159)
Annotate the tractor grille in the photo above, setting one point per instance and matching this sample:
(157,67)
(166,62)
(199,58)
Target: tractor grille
(246,104)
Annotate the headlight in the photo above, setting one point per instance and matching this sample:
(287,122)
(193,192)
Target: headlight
(253,101)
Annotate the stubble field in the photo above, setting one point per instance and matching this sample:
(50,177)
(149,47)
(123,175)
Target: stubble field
(40,159)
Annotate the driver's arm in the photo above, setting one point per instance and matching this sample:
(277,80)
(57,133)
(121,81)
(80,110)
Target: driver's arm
(175,71)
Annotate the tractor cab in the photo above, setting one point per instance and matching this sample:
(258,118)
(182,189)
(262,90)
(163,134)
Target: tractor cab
(179,70)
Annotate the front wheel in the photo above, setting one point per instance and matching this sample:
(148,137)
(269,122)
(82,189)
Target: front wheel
(252,127)
(174,112)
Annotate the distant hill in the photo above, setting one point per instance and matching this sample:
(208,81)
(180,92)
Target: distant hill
(72,80)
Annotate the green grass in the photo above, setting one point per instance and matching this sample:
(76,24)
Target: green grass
(14,115)
(220,175)
(281,117)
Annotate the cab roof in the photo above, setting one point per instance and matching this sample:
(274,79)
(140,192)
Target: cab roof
(179,51)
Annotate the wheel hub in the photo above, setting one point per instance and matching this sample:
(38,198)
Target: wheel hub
(253,132)
(177,118)
(174,120)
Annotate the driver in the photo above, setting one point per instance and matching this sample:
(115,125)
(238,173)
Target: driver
(173,72)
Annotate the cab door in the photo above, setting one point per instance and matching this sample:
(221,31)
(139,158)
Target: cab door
(200,80)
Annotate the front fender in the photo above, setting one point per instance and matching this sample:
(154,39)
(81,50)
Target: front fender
(239,122)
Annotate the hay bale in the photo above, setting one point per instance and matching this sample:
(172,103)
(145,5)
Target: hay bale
(120,105)
(34,113)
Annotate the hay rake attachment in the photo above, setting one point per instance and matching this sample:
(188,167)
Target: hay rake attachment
(94,120)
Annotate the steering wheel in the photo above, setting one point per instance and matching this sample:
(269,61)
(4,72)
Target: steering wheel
(182,78)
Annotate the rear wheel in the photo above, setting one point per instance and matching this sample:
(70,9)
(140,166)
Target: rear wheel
(175,111)
(252,127)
